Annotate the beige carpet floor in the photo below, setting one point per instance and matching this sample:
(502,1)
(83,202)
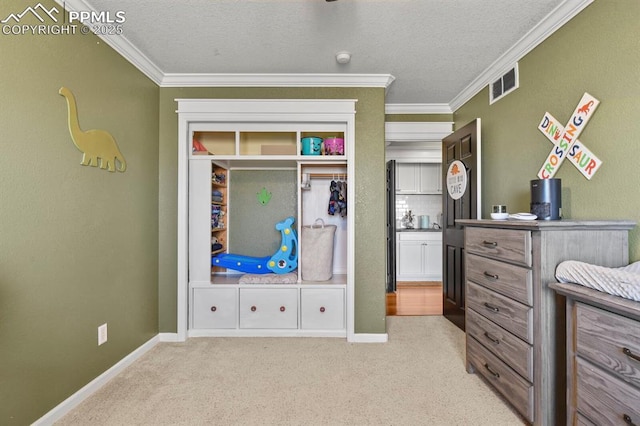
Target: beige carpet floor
(417,378)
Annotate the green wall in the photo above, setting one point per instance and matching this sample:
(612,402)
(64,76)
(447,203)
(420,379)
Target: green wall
(596,52)
(78,245)
(370,188)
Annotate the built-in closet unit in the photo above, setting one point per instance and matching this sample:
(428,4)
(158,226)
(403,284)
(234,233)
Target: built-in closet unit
(220,137)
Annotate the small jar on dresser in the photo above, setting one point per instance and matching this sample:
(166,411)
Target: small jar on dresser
(603,357)
(515,323)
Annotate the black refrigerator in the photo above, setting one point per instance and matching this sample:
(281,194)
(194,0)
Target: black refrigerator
(391,225)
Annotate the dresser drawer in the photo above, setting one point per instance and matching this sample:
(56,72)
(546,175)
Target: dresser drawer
(602,337)
(514,388)
(583,421)
(503,244)
(268,308)
(507,313)
(510,349)
(605,399)
(510,280)
(322,309)
(215,307)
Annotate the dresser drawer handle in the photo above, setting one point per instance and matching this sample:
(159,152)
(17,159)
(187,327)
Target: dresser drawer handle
(630,354)
(490,243)
(322,309)
(493,276)
(213,309)
(491,307)
(253,309)
(282,309)
(493,373)
(493,339)
(627,419)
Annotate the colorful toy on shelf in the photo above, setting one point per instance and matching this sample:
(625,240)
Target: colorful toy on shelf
(283,261)
(198,148)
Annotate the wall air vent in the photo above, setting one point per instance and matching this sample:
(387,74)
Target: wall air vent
(504,85)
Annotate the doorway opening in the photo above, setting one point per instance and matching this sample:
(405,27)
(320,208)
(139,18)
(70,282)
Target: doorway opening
(415,298)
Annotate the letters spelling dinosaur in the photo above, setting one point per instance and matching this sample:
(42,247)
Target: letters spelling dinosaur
(566,141)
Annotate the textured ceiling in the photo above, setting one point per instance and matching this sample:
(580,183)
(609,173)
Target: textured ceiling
(433,48)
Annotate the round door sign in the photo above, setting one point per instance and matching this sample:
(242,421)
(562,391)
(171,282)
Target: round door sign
(456,179)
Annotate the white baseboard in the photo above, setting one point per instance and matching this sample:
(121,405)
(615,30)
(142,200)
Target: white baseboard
(169,337)
(74,400)
(369,338)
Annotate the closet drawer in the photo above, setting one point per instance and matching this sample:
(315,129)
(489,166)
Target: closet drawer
(501,244)
(507,313)
(602,337)
(322,309)
(605,399)
(511,280)
(514,388)
(510,349)
(215,307)
(268,308)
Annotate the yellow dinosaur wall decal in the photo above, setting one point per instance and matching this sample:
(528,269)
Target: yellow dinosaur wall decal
(94,144)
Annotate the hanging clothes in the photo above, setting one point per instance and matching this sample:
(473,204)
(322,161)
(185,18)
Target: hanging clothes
(337,198)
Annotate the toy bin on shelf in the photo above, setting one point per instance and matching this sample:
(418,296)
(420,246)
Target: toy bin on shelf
(311,145)
(333,146)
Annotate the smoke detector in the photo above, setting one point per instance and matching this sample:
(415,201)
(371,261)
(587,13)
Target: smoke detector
(343,57)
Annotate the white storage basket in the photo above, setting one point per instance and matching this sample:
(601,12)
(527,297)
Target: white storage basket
(316,246)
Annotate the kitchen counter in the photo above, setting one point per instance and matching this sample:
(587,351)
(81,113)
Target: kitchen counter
(418,230)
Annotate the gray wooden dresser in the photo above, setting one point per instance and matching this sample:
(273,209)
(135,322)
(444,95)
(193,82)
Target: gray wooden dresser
(515,324)
(603,357)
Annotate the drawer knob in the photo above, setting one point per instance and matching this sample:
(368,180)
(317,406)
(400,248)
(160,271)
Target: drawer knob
(253,309)
(490,243)
(493,339)
(627,419)
(493,276)
(322,309)
(491,307)
(282,309)
(213,309)
(630,354)
(493,373)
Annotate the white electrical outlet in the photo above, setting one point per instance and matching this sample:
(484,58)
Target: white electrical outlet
(102,334)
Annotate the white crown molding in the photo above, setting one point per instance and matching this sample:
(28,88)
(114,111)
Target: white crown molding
(417,109)
(552,22)
(402,131)
(277,80)
(119,43)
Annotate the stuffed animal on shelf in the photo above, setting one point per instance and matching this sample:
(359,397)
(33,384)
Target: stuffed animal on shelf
(215,245)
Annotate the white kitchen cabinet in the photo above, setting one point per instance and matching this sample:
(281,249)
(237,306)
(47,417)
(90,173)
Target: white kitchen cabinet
(419,256)
(261,135)
(407,177)
(430,178)
(418,178)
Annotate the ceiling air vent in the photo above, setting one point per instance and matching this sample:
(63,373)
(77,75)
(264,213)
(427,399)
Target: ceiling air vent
(506,84)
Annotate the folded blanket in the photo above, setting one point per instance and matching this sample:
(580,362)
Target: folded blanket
(623,282)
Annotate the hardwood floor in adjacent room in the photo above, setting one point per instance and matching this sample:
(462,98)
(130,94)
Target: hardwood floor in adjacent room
(415,298)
